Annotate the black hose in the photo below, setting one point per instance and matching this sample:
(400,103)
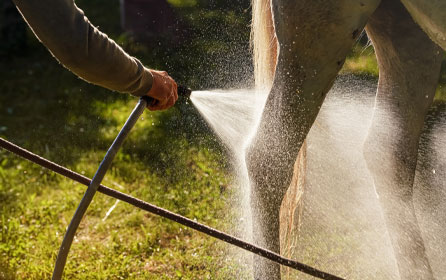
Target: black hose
(93,187)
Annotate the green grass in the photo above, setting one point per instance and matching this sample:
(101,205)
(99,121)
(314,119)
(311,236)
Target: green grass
(170,159)
(361,61)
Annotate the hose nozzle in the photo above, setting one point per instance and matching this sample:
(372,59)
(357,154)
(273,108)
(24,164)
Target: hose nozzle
(184,91)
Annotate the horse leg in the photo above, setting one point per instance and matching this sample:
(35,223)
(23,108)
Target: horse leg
(409,64)
(314,38)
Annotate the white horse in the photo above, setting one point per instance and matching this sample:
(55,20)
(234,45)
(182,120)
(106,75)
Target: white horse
(299,47)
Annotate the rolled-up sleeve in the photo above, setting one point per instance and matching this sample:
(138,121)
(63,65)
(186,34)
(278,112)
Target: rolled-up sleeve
(64,29)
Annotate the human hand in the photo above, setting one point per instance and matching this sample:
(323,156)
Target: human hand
(163,91)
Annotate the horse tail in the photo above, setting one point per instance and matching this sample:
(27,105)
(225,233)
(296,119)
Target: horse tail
(263,43)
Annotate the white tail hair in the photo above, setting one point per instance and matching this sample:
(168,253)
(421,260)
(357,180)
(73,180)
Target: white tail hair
(264,43)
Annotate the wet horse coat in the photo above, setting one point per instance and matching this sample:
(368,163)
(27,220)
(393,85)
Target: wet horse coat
(299,48)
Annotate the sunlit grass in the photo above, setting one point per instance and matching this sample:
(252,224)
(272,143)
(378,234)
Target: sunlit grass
(185,177)
(361,61)
(182,3)
(169,159)
(440,94)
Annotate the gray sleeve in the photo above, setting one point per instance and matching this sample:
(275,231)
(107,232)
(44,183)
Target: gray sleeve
(63,28)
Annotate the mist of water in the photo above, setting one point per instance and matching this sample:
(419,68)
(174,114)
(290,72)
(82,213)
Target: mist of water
(343,230)
(233,114)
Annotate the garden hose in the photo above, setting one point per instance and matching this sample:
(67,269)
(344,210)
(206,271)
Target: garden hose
(97,179)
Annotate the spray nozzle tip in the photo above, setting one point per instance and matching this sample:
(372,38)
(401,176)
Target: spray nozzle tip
(184,91)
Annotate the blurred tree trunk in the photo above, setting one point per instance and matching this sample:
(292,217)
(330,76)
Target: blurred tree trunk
(12,29)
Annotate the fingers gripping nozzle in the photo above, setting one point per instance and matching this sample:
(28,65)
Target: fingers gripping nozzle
(183,93)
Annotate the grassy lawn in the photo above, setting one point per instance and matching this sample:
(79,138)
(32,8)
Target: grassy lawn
(170,159)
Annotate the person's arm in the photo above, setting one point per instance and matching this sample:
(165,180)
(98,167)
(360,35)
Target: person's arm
(79,46)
